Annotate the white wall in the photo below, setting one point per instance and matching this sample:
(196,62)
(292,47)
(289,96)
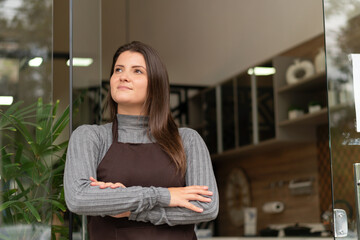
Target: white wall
(203,42)
(113,31)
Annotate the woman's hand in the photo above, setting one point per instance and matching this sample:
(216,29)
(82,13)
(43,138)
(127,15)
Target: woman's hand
(103,185)
(180,196)
(121,215)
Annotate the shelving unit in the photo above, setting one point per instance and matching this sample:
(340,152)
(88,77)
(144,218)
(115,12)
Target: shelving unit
(316,118)
(300,94)
(238,101)
(314,82)
(260,148)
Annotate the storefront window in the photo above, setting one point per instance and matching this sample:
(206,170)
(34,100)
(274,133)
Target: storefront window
(32,151)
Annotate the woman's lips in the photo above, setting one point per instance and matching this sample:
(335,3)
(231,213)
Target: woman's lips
(123,88)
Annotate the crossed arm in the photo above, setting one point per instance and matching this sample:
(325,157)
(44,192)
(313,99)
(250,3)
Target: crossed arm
(179,196)
(195,203)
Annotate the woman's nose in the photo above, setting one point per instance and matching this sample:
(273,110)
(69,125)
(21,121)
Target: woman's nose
(124,77)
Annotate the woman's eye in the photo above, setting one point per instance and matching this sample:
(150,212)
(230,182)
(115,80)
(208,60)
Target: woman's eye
(118,70)
(138,71)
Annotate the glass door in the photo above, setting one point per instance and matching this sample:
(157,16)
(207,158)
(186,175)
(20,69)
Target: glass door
(31,203)
(86,79)
(342,37)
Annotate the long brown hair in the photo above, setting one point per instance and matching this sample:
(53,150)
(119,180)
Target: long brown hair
(157,104)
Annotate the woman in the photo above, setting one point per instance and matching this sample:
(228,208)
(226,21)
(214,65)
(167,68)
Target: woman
(139,176)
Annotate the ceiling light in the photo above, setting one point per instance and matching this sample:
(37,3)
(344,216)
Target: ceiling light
(35,62)
(262,71)
(81,62)
(6,100)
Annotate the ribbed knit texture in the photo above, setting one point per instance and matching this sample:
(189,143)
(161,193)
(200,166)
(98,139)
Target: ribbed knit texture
(87,147)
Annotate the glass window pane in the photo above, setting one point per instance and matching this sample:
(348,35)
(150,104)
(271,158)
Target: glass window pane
(227,114)
(244,110)
(87,76)
(265,103)
(31,153)
(342,21)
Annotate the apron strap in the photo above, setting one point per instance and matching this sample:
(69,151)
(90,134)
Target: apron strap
(115,129)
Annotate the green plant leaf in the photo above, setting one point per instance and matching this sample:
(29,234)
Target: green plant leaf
(7,194)
(26,134)
(55,148)
(33,211)
(43,121)
(5,205)
(5,116)
(55,203)
(60,217)
(19,152)
(18,182)
(26,217)
(36,161)
(60,124)
(22,194)
(5,157)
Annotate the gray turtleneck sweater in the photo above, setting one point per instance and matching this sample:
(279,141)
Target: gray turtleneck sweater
(87,147)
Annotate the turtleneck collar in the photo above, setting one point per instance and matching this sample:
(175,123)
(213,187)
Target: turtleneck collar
(132,121)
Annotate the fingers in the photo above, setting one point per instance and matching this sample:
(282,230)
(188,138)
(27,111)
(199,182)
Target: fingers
(121,215)
(200,198)
(117,185)
(111,185)
(202,190)
(192,207)
(93,179)
(104,185)
(196,187)
(182,197)
(97,183)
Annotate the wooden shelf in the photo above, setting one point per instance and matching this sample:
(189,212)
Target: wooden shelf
(253,149)
(316,81)
(316,118)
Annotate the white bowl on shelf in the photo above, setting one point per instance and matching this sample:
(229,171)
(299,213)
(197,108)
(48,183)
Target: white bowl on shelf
(293,114)
(314,108)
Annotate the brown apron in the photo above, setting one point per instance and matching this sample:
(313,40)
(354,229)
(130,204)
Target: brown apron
(137,165)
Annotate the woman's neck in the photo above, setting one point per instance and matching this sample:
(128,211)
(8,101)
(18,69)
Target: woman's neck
(132,121)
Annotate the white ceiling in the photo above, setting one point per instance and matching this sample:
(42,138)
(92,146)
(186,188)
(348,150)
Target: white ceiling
(202,42)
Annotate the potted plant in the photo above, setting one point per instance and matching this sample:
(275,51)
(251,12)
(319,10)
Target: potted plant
(295,112)
(32,168)
(314,106)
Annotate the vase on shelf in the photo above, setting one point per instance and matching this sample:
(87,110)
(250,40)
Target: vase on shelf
(299,70)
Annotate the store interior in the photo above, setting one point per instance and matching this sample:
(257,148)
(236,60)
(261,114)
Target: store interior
(267,133)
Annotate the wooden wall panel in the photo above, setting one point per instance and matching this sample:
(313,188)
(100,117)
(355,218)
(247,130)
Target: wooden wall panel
(269,175)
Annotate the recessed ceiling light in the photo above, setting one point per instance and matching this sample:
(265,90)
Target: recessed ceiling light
(35,62)
(81,62)
(262,71)
(6,100)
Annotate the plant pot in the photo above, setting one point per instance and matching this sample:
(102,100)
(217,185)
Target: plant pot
(314,108)
(295,113)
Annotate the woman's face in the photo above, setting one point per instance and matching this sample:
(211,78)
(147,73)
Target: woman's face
(129,83)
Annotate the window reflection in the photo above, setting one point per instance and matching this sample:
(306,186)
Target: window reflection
(342,20)
(30,159)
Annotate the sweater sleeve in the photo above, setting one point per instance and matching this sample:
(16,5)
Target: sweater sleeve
(199,172)
(81,163)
